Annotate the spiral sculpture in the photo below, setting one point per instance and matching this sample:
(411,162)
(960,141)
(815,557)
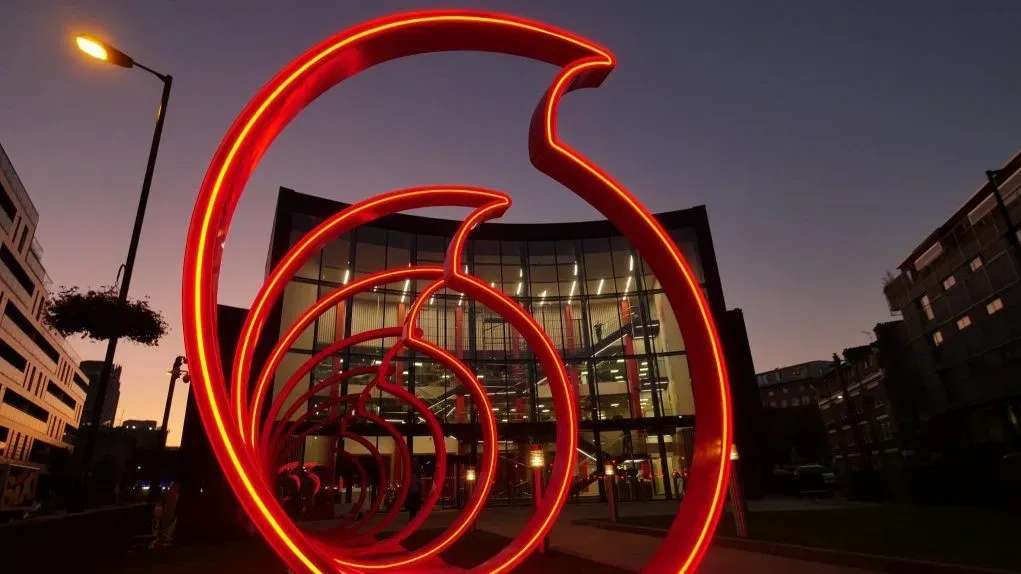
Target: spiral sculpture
(249,445)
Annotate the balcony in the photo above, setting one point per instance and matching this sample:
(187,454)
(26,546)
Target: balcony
(36,266)
(6,222)
(17,188)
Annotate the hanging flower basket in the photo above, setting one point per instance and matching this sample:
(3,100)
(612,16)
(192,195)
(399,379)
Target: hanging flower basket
(97,314)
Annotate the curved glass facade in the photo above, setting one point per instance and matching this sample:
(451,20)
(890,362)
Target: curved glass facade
(593,295)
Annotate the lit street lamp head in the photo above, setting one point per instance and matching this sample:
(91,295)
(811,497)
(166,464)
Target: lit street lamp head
(102,51)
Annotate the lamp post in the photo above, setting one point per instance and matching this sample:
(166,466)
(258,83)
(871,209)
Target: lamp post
(737,502)
(469,484)
(537,460)
(175,373)
(104,52)
(611,493)
(1001,207)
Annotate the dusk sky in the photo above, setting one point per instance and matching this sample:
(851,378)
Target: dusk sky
(825,138)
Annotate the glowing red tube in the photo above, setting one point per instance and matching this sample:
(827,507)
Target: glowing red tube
(231,419)
(283,424)
(380,494)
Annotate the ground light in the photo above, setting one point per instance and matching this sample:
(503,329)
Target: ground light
(610,486)
(537,461)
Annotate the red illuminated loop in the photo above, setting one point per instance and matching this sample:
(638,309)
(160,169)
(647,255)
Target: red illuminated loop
(231,419)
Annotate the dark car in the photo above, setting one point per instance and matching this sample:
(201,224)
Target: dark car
(814,481)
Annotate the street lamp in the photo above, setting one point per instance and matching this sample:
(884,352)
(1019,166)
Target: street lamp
(106,53)
(175,373)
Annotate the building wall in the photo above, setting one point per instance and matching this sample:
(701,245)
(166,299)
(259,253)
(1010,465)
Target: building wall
(42,390)
(92,371)
(790,398)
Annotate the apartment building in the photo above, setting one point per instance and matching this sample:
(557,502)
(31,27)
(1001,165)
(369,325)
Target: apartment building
(960,297)
(42,390)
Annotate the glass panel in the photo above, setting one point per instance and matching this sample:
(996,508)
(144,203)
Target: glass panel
(487,251)
(336,261)
(370,252)
(431,248)
(687,242)
(288,366)
(310,269)
(543,279)
(605,326)
(623,265)
(398,249)
(675,382)
(668,336)
(297,298)
(541,253)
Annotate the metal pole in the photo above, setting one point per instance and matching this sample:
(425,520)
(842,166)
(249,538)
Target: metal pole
(737,502)
(129,266)
(174,375)
(1001,207)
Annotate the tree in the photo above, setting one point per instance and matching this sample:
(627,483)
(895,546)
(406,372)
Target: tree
(98,314)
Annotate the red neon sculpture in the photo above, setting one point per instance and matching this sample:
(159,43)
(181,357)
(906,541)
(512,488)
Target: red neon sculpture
(247,453)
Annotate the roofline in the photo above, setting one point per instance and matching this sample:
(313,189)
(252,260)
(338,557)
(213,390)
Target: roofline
(984,190)
(795,365)
(291,201)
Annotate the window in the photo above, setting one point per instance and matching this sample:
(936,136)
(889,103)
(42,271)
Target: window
(926,306)
(23,323)
(13,357)
(24,405)
(949,282)
(976,263)
(994,306)
(866,432)
(19,273)
(62,396)
(964,322)
(22,237)
(7,204)
(82,383)
(4,431)
(885,430)
(937,338)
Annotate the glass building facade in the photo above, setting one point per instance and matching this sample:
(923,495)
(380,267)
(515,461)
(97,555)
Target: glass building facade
(585,286)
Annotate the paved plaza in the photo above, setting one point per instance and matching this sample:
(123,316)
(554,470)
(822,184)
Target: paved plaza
(631,551)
